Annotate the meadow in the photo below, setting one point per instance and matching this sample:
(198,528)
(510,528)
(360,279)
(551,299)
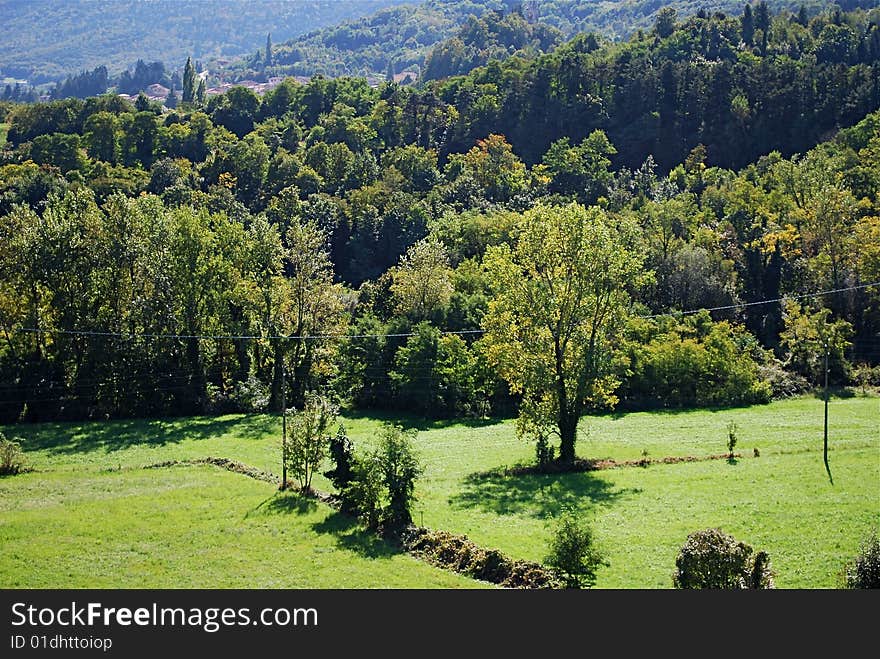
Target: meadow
(89,515)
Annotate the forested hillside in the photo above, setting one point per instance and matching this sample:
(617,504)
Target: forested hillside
(739,87)
(407,37)
(46,40)
(159,262)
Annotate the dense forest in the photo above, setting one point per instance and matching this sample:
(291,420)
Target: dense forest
(410,36)
(345,238)
(45,40)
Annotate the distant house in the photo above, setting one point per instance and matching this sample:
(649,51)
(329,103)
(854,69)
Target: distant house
(258,88)
(406,77)
(157,92)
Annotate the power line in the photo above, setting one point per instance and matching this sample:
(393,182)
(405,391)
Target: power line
(769,301)
(319,337)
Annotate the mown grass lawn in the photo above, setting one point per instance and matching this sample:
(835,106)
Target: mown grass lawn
(89,503)
(187,527)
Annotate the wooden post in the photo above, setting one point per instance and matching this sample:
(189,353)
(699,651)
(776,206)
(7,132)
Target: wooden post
(283,430)
(825,434)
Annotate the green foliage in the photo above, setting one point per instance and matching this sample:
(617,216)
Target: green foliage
(582,170)
(573,553)
(400,468)
(691,362)
(807,338)
(438,376)
(307,440)
(12,460)
(251,395)
(342,453)
(365,491)
(271,211)
(732,436)
(46,48)
(864,570)
(560,299)
(712,559)
(422,283)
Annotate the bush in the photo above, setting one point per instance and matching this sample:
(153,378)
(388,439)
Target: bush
(692,362)
(865,376)
(306,442)
(732,429)
(363,494)
(251,396)
(715,560)
(400,467)
(573,554)
(782,382)
(342,453)
(864,571)
(11,457)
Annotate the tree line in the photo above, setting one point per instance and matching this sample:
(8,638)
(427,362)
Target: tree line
(330,236)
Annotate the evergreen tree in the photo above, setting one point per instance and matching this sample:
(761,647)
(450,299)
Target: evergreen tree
(189,81)
(762,22)
(142,103)
(802,17)
(665,22)
(201,92)
(171,99)
(748,25)
(269,50)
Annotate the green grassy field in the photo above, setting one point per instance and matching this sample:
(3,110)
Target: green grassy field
(4,129)
(89,516)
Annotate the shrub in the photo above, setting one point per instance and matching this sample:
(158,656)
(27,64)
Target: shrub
(400,468)
(712,559)
(731,437)
(363,494)
(11,457)
(251,395)
(782,382)
(689,362)
(307,443)
(573,554)
(864,570)
(865,376)
(543,451)
(342,454)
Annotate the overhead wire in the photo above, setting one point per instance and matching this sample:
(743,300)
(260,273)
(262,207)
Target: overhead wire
(318,337)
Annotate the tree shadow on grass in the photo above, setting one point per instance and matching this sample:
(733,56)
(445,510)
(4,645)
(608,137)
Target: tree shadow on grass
(538,495)
(283,504)
(352,536)
(74,437)
(421,423)
(348,532)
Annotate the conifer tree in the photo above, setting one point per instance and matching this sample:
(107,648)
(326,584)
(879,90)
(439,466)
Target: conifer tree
(189,81)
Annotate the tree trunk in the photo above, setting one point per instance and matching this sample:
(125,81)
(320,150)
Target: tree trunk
(198,376)
(567,436)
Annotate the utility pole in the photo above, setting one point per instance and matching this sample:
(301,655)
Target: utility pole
(283,429)
(825,436)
